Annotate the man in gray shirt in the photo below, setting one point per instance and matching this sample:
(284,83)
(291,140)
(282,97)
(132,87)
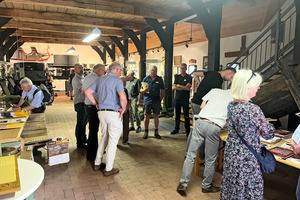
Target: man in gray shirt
(111,103)
(91,111)
(79,107)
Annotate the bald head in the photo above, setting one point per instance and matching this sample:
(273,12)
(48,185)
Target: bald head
(99,69)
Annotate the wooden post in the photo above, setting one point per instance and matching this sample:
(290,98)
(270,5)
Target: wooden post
(123,48)
(211,18)
(140,45)
(166,39)
(296,58)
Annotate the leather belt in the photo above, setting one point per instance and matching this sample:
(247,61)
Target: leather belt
(109,110)
(213,123)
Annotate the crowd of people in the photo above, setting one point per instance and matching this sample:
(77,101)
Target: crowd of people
(107,99)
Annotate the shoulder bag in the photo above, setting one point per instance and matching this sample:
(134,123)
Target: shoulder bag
(266,158)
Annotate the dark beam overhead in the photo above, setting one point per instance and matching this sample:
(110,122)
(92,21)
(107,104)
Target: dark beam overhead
(6,33)
(4,20)
(100,53)
(111,51)
(5,48)
(12,50)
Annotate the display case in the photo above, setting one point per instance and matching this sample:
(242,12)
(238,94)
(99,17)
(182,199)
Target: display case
(158,64)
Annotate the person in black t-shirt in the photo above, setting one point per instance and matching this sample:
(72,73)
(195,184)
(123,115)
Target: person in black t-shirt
(212,79)
(182,86)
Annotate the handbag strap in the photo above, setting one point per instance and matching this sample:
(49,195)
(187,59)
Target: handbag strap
(241,137)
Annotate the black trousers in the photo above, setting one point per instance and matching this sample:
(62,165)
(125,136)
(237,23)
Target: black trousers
(185,106)
(93,119)
(81,123)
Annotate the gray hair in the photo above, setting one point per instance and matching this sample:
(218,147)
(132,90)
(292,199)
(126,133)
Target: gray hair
(26,80)
(153,67)
(114,66)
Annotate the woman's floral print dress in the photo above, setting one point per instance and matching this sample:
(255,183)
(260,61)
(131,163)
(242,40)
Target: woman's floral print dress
(242,176)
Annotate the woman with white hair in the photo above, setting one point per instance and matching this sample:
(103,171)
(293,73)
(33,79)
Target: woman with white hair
(242,175)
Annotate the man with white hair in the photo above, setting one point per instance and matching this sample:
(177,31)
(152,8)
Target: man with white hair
(33,95)
(111,104)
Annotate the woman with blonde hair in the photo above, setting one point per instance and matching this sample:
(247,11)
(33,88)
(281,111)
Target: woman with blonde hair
(242,175)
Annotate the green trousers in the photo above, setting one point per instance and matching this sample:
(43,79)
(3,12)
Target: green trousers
(133,111)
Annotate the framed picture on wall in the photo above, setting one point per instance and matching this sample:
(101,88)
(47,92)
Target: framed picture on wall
(177,60)
(205,62)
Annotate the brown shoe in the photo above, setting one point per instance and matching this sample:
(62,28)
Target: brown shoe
(181,189)
(99,167)
(211,189)
(111,172)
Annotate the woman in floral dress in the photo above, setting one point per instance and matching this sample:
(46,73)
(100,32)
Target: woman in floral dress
(242,176)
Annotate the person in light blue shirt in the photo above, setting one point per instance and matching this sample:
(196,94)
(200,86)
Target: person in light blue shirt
(35,99)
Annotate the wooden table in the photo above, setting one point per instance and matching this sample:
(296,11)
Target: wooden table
(224,136)
(11,137)
(31,176)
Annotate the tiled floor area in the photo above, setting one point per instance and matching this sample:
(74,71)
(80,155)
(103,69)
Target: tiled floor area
(149,169)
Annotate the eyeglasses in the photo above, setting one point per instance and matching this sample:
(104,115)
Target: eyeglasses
(253,74)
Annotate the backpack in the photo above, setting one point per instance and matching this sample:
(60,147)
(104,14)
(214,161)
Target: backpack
(43,88)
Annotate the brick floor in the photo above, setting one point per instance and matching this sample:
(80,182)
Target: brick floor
(149,169)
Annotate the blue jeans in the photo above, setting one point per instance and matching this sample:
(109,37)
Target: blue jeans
(81,123)
(185,106)
(298,189)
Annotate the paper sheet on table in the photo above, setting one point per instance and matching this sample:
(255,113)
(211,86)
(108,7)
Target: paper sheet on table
(7,169)
(296,135)
(272,141)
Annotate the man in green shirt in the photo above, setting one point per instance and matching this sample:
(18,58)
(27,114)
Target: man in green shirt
(133,86)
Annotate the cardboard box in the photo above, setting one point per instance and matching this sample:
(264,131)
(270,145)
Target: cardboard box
(58,152)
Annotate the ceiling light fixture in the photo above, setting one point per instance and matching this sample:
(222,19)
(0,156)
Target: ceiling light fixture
(152,52)
(71,50)
(186,45)
(96,31)
(157,50)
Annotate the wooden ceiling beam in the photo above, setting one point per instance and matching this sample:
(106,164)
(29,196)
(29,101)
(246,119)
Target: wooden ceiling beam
(57,41)
(43,34)
(126,9)
(59,28)
(69,18)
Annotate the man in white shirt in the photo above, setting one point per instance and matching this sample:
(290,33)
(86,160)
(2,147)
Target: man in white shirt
(212,118)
